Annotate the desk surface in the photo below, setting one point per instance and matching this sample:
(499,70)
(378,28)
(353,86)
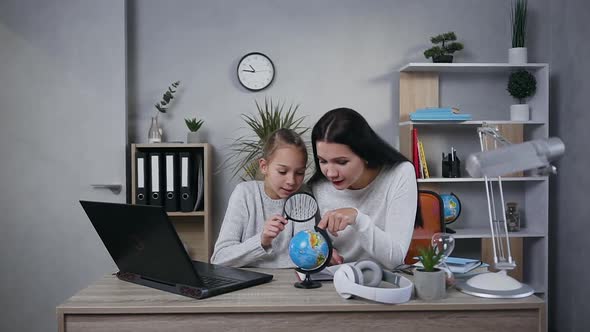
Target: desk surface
(109,295)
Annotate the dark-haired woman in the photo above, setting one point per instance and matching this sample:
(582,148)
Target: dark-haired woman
(365,189)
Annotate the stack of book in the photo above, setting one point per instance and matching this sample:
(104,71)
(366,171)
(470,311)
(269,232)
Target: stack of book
(463,266)
(439,114)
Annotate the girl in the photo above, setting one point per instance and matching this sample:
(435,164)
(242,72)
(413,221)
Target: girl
(254,232)
(366,189)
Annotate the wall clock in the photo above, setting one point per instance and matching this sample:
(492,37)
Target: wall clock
(255,71)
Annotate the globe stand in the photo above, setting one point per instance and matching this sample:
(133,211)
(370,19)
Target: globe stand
(307,283)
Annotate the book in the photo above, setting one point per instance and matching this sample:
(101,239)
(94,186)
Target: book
(415,155)
(460,265)
(439,114)
(326,274)
(423,162)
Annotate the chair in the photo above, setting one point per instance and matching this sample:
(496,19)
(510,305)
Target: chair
(431,210)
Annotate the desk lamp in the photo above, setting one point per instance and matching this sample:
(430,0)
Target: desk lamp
(496,162)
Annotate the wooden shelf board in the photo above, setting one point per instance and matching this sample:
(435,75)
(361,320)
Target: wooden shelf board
(484,233)
(186,214)
(467,67)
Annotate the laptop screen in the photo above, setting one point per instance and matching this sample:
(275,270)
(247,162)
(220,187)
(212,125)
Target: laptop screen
(141,240)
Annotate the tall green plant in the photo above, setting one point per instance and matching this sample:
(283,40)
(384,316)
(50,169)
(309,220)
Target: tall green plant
(246,150)
(518,21)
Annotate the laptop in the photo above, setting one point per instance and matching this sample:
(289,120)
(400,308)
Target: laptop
(147,250)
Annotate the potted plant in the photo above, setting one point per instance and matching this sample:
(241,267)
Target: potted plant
(521,85)
(428,279)
(193,126)
(518,53)
(443,52)
(155,132)
(245,151)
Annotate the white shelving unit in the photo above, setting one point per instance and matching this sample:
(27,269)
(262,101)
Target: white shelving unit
(419,88)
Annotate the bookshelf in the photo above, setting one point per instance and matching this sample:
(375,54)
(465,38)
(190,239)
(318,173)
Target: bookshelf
(421,85)
(194,228)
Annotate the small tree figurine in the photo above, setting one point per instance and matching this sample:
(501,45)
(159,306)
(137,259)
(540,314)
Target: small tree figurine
(162,105)
(193,125)
(521,85)
(443,53)
(429,258)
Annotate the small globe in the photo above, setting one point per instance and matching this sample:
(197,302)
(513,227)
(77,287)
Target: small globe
(308,250)
(451,207)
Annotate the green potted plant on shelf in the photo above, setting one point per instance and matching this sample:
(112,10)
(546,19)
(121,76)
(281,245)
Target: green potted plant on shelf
(246,150)
(429,280)
(444,52)
(193,125)
(155,132)
(518,53)
(521,85)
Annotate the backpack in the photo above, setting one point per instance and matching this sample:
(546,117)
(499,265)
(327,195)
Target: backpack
(431,210)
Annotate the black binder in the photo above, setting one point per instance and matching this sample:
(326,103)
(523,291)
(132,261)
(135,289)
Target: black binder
(156,179)
(141,178)
(171,175)
(187,182)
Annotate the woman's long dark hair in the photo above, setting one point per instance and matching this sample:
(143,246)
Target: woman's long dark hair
(348,127)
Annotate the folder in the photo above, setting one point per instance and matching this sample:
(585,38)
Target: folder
(187,182)
(156,180)
(171,172)
(141,178)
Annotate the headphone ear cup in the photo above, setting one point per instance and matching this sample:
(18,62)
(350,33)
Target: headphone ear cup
(344,277)
(371,273)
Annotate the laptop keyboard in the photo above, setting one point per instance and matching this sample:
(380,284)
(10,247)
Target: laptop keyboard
(214,282)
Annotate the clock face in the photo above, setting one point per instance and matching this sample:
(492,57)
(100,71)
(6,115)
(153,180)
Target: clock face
(255,71)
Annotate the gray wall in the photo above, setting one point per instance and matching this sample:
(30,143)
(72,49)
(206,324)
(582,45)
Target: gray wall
(569,233)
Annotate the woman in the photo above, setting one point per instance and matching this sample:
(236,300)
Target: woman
(365,189)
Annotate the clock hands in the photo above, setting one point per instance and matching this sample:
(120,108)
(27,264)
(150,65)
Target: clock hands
(249,71)
(253,70)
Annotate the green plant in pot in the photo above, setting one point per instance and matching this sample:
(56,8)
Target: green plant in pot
(430,280)
(193,126)
(246,150)
(518,53)
(445,46)
(521,85)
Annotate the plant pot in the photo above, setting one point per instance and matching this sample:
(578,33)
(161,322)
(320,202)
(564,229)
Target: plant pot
(430,285)
(194,137)
(517,55)
(519,112)
(443,59)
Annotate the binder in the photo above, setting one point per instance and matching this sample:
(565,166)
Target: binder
(156,180)
(141,178)
(187,182)
(171,172)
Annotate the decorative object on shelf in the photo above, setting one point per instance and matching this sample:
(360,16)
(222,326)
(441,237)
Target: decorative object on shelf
(521,85)
(246,150)
(451,209)
(439,114)
(193,125)
(428,279)
(256,71)
(517,55)
(512,217)
(310,250)
(451,165)
(444,52)
(497,161)
(444,243)
(155,133)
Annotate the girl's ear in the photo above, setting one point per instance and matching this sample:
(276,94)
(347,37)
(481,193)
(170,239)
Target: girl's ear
(263,165)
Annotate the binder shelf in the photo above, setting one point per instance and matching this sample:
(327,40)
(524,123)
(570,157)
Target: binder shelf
(177,176)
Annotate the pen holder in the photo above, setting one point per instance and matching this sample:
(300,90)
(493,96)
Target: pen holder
(451,166)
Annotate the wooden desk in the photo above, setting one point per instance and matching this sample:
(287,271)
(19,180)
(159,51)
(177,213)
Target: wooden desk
(114,305)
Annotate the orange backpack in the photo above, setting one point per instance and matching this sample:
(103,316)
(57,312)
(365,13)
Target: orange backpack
(431,210)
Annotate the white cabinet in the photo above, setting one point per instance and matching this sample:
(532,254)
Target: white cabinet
(480,90)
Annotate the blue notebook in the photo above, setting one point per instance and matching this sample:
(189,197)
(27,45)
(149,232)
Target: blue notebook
(439,114)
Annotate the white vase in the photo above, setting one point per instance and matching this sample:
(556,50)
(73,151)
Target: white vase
(517,55)
(519,112)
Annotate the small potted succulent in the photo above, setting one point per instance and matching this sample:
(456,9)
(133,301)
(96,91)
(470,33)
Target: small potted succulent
(443,53)
(193,126)
(430,281)
(521,85)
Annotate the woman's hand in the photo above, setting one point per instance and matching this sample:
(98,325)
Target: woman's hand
(336,258)
(337,220)
(272,227)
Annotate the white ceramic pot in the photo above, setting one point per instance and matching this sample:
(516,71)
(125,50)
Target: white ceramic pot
(193,137)
(519,112)
(517,55)
(430,285)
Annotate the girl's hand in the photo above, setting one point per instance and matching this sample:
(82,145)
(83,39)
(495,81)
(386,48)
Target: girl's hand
(272,227)
(337,220)
(336,258)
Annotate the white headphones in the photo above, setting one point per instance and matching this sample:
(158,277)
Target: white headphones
(362,278)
